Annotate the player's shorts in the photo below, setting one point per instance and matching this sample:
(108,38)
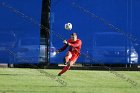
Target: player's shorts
(72,56)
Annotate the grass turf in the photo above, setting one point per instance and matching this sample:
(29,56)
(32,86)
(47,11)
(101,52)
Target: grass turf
(75,81)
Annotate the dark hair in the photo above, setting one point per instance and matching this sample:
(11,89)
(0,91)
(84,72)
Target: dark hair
(73,34)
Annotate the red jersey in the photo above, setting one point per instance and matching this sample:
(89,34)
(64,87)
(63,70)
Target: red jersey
(75,46)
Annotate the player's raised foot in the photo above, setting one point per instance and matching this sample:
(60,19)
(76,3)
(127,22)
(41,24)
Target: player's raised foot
(59,74)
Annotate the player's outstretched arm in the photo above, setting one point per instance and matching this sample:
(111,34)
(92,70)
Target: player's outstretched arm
(64,47)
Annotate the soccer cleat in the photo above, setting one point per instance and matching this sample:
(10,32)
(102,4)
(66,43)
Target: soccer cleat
(59,74)
(64,61)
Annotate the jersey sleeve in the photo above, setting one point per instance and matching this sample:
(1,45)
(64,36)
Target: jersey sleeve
(63,48)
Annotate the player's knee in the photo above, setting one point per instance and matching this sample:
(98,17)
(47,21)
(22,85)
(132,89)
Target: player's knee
(71,63)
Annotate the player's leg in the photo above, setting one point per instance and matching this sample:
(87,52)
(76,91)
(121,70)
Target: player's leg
(71,61)
(67,57)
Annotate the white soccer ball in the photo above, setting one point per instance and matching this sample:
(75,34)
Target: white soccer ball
(68,26)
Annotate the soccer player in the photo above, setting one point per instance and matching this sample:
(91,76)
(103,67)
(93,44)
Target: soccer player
(73,53)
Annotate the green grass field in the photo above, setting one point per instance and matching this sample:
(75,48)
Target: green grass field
(76,81)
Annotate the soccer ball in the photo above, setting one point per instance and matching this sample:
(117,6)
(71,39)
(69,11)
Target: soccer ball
(68,26)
